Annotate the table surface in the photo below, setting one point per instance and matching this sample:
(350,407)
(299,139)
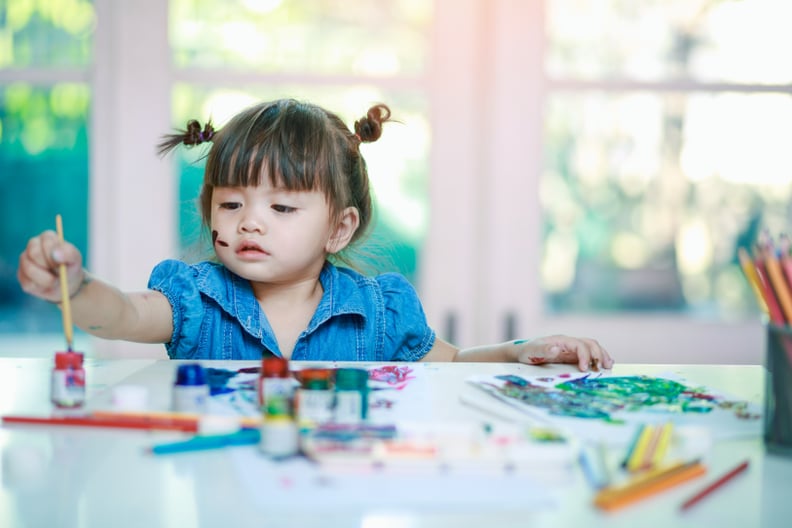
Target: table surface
(90,477)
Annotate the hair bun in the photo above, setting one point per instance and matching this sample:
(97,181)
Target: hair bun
(191,136)
(194,135)
(369,128)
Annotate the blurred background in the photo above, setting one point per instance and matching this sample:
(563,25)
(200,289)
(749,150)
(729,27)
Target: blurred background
(588,167)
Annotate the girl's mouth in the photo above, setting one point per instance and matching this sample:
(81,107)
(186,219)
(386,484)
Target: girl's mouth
(250,249)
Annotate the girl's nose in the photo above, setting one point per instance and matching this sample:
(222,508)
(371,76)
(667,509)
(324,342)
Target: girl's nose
(251,225)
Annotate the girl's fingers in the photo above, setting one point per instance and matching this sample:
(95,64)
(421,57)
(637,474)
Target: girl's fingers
(588,354)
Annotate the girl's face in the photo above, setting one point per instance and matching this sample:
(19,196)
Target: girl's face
(271,235)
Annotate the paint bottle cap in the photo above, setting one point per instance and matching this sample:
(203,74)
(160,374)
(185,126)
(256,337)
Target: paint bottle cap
(315,378)
(351,379)
(64,360)
(190,374)
(274,367)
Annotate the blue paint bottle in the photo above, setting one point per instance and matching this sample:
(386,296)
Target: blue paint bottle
(191,390)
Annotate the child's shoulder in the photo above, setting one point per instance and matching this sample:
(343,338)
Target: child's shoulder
(389,281)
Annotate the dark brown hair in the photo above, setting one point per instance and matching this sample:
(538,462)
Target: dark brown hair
(296,145)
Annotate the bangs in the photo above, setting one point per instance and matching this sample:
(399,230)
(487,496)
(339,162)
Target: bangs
(290,148)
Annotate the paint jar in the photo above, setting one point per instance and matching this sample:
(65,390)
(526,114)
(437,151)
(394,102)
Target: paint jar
(191,390)
(778,391)
(314,398)
(276,388)
(279,435)
(67,389)
(351,396)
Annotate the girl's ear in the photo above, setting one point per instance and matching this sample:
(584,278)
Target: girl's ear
(345,229)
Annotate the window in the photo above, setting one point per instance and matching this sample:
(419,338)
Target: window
(44,107)
(571,166)
(665,133)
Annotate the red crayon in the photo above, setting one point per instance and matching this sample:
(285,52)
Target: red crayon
(132,422)
(692,501)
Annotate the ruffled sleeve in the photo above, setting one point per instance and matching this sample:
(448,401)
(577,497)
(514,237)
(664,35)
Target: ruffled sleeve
(178,282)
(408,336)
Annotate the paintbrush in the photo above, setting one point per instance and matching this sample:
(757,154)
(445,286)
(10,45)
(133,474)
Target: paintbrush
(68,331)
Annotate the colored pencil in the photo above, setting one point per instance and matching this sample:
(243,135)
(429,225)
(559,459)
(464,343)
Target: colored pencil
(143,423)
(647,457)
(709,489)
(662,444)
(635,462)
(648,484)
(778,283)
(68,329)
(784,257)
(773,308)
(205,442)
(244,421)
(633,444)
(749,270)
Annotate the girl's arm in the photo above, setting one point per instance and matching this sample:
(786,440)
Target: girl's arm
(586,353)
(96,307)
(105,311)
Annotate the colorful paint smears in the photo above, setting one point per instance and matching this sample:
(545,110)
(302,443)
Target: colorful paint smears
(604,398)
(395,376)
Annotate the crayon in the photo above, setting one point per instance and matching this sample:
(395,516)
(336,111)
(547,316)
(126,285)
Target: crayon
(719,482)
(142,423)
(648,484)
(243,421)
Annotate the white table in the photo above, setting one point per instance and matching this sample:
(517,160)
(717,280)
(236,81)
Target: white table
(87,477)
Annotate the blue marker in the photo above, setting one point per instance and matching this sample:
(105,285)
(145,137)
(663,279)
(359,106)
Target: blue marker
(204,442)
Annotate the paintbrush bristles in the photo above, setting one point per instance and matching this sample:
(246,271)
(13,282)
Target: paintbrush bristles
(64,283)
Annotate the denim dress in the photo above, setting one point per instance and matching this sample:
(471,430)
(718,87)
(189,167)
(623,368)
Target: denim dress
(359,318)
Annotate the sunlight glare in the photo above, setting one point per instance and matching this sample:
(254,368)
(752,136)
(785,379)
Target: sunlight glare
(629,250)
(694,247)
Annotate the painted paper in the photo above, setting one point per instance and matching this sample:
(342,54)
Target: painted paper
(608,408)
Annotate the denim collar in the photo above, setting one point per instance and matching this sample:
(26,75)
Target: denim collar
(234,295)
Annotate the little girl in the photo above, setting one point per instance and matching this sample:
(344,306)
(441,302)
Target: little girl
(285,192)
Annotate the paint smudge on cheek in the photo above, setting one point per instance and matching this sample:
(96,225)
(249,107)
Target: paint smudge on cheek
(215,240)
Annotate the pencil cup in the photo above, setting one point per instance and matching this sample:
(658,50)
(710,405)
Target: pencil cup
(778,391)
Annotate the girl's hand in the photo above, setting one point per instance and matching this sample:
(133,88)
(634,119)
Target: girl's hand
(38,271)
(587,353)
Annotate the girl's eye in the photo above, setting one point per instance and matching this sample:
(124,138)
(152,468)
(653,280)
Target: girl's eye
(283,208)
(230,205)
